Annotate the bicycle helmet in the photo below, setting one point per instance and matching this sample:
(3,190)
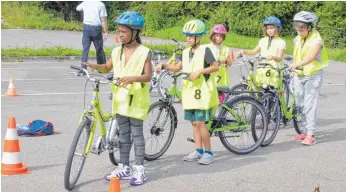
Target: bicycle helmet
(218,28)
(195,27)
(306,17)
(132,19)
(273,21)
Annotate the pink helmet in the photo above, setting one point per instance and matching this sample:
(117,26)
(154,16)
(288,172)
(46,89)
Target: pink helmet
(218,28)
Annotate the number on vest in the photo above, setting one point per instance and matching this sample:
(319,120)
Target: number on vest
(198,94)
(218,79)
(268,73)
(131,97)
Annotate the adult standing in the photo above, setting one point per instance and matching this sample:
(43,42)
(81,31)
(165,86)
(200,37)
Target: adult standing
(94,18)
(310,54)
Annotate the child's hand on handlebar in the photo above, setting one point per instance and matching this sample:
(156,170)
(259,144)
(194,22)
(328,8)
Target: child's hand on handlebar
(158,68)
(269,57)
(241,52)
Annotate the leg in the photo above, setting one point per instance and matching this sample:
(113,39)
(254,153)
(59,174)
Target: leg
(98,43)
(138,177)
(299,91)
(123,171)
(205,116)
(189,115)
(86,42)
(138,140)
(312,90)
(125,143)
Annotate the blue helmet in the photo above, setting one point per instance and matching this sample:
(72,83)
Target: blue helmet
(132,19)
(273,21)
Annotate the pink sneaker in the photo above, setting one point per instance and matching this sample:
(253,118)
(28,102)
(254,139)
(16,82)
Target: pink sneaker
(299,137)
(309,140)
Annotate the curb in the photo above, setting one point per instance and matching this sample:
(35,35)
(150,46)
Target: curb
(42,58)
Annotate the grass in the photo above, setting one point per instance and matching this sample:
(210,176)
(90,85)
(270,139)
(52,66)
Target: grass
(244,42)
(63,51)
(30,16)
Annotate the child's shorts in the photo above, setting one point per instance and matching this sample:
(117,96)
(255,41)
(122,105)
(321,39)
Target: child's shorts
(198,115)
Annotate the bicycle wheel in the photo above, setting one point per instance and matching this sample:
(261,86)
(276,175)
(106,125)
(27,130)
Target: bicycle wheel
(71,180)
(114,153)
(273,110)
(165,81)
(160,124)
(234,126)
(298,121)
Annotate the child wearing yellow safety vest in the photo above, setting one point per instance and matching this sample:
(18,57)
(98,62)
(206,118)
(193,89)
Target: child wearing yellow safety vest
(222,55)
(310,54)
(131,99)
(199,94)
(272,47)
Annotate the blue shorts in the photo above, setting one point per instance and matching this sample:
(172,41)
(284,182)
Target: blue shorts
(197,115)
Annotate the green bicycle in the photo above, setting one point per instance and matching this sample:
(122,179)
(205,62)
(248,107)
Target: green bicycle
(279,104)
(229,121)
(87,124)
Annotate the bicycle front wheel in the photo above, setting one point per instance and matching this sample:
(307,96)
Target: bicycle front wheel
(165,81)
(236,130)
(159,127)
(74,166)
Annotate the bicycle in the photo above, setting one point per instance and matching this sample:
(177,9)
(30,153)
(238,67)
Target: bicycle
(165,73)
(87,124)
(219,125)
(156,59)
(277,106)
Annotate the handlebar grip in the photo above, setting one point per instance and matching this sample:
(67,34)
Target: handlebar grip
(175,40)
(76,68)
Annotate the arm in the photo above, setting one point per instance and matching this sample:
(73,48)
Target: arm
(211,69)
(175,68)
(252,52)
(312,57)
(105,27)
(104,68)
(277,58)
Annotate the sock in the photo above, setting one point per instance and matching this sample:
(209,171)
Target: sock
(199,150)
(209,152)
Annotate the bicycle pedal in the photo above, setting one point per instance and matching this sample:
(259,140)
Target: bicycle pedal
(190,140)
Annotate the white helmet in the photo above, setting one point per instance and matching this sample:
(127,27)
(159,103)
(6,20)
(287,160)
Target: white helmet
(306,17)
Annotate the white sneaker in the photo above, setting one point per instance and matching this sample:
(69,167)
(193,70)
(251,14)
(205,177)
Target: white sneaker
(194,156)
(122,172)
(138,177)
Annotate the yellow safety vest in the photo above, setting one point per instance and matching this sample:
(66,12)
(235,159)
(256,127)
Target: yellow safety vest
(301,52)
(222,76)
(135,101)
(267,75)
(200,93)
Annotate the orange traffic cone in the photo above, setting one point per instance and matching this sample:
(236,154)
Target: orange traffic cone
(11,161)
(11,91)
(116,39)
(114,185)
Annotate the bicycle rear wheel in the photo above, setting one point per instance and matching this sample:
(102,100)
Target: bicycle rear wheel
(236,123)
(273,110)
(160,126)
(70,180)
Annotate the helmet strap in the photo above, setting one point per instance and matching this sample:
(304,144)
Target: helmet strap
(195,43)
(269,41)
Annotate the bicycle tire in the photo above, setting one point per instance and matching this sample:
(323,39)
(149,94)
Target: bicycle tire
(83,125)
(295,124)
(160,84)
(258,106)
(172,127)
(277,118)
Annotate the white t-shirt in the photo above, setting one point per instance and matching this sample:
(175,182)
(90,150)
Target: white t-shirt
(282,42)
(92,12)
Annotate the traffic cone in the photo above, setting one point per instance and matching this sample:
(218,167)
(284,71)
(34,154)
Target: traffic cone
(11,163)
(11,91)
(116,39)
(114,185)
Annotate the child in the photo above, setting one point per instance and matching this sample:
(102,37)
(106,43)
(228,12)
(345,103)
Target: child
(272,47)
(132,62)
(310,54)
(199,93)
(222,55)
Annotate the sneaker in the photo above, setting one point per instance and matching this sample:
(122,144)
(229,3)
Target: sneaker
(206,159)
(299,137)
(309,140)
(138,177)
(194,156)
(122,172)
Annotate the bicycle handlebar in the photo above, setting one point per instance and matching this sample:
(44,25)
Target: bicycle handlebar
(176,75)
(180,46)
(86,73)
